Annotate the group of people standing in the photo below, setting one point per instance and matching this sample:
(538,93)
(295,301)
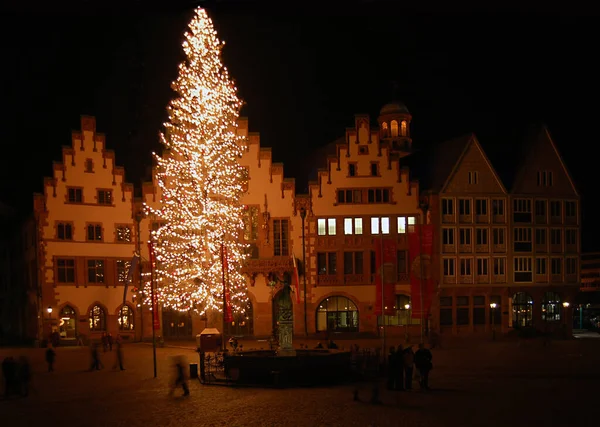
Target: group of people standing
(401,364)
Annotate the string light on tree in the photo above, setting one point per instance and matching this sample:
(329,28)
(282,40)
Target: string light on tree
(201,182)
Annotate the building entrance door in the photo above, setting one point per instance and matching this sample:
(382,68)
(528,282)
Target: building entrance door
(176,324)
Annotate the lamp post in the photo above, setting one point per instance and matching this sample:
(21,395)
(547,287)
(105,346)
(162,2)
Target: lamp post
(303,216)
(566,307)
(49,310)
(493,306)
(138,219)
(407,307)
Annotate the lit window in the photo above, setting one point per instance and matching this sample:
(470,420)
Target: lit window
(347,225)
(385,225)
(411,223)
(358,227)
(401,225)
(321,229)
(331,226)
(403,128)
(374,225)
(394,128)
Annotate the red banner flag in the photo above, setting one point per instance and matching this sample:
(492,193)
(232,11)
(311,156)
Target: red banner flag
(385,278)
(421,284)
(227,314)
(153,296)
(296,280)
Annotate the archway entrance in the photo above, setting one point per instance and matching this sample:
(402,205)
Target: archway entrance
(522,306)
(67,323)
(176,324)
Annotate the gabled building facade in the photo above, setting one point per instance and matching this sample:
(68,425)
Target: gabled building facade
(508,259)
(363,196)
(86,240)
(469,210)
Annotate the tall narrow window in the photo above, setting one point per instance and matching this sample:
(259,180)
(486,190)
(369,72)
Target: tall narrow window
(251,224)
(403,128)
(104,197)
(394,128)
(64,231)
(94,232)
(281,237)
(95,269)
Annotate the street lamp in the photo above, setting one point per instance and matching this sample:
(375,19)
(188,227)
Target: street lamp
(493,306)
(409,322)
(49,310)
(303,216)
(565,306)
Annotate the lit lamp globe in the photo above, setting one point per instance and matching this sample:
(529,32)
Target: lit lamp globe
(407,306)
(565,304)
(493,305)
(49,310)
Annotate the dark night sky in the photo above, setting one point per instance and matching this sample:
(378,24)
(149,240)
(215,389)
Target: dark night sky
(303,76)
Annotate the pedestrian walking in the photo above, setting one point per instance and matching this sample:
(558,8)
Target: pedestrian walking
(96,363)
(50,357)
(180,377)
(119,360)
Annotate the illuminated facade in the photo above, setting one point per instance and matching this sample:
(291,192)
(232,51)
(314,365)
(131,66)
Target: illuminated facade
(86,242)
(509,241)
(518,248)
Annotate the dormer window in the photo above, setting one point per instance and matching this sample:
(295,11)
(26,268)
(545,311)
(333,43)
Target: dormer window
(352,169)
(394,127)
(403,129)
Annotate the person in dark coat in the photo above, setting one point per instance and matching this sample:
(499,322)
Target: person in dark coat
(423,358)
(408,360)
(119,360)
(399,371)
(50,357)
(180,378)
(109,339)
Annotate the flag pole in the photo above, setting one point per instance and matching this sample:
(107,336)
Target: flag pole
(223,347)
(154,304)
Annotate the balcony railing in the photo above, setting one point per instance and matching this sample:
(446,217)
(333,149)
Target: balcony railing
(268,265)
(328,279)
(354,279)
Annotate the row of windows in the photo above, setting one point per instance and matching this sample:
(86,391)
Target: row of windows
(354,262)
(522,236)
(393,129)
(95,269)
(103,197)
(64,231)
(97,320)
(522,309)
(523,267)
(379,225)
(353,169)
(364,195)
(522,208)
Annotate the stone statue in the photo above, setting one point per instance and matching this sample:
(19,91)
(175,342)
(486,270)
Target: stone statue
(286,322)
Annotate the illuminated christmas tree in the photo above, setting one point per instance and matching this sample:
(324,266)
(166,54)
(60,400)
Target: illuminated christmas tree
(201,183)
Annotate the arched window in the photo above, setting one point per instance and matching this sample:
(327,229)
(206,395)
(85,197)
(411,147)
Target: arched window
(384,128)
(551,307)
(403,129)
(394,128)
(337,314)
(125,319)
(97,319)
(242,323)
(68,323)
(522,305)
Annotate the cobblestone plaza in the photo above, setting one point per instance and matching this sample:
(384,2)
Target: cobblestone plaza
(490,384)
